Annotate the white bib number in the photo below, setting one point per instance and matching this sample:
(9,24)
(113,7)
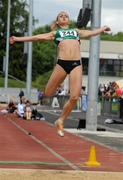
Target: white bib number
(68,33)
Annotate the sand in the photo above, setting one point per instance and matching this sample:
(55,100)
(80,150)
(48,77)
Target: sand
(19,174)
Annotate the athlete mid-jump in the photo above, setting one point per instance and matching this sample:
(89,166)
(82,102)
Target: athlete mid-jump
(68,60)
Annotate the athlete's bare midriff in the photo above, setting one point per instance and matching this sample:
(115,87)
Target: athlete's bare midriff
(69,49)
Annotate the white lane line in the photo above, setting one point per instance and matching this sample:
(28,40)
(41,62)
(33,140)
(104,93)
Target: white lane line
(47,147)
(98,133)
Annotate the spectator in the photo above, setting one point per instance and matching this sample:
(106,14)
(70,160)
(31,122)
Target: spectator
(21,107)
(40,97)
(62,92)
(84,99)
(11,108)
(21,94)
(28,110)
(36,115)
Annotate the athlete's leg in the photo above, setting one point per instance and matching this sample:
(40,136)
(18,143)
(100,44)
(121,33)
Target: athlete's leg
(57,77)
(75,89)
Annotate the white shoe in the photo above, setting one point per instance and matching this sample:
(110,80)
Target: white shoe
(59,126)
(60,133)
(108,121)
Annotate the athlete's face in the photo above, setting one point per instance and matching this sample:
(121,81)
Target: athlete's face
(63,19)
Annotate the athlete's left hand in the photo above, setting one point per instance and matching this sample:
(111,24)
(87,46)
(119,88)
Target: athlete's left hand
(106,28)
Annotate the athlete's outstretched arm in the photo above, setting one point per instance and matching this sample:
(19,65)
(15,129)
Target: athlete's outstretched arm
(39,37)
(89,33)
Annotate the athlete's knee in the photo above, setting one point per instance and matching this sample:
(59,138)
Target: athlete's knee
(73,99)
(48,93)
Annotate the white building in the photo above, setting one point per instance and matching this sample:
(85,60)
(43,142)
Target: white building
(111,61)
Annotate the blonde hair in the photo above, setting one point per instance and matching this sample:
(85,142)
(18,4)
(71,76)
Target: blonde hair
(55,24)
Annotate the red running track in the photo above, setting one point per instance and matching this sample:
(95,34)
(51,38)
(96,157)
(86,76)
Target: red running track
(35,144)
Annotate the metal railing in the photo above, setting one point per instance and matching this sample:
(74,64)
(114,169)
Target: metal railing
(109,106)
(105,106)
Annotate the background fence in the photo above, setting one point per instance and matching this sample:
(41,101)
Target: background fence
(105,106)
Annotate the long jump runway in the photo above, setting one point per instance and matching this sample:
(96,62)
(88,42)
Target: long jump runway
(35,145)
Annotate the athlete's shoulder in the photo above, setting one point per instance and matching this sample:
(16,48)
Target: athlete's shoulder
(56,31)
(76,29)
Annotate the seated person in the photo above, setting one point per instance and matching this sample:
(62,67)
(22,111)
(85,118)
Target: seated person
(36,115)
(21,107)
(10,108)
(28,110)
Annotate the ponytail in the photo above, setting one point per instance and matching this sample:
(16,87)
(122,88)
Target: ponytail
(54,26)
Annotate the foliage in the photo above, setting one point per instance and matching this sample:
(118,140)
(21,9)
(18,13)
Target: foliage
(44,54)
(42,80)
(18,25)
(112,37)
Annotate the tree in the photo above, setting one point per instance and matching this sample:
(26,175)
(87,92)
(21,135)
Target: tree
(44,54)
(112,37)
(18,26)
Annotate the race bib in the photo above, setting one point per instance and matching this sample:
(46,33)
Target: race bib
(68,33)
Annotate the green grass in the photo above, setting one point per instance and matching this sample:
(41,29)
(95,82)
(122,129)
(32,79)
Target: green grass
(12,83)
(39,83)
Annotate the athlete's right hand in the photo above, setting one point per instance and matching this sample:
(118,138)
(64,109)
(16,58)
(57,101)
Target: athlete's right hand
(12,39)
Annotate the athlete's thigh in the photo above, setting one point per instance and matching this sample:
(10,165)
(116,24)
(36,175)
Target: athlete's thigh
(57,77)
(76,81)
